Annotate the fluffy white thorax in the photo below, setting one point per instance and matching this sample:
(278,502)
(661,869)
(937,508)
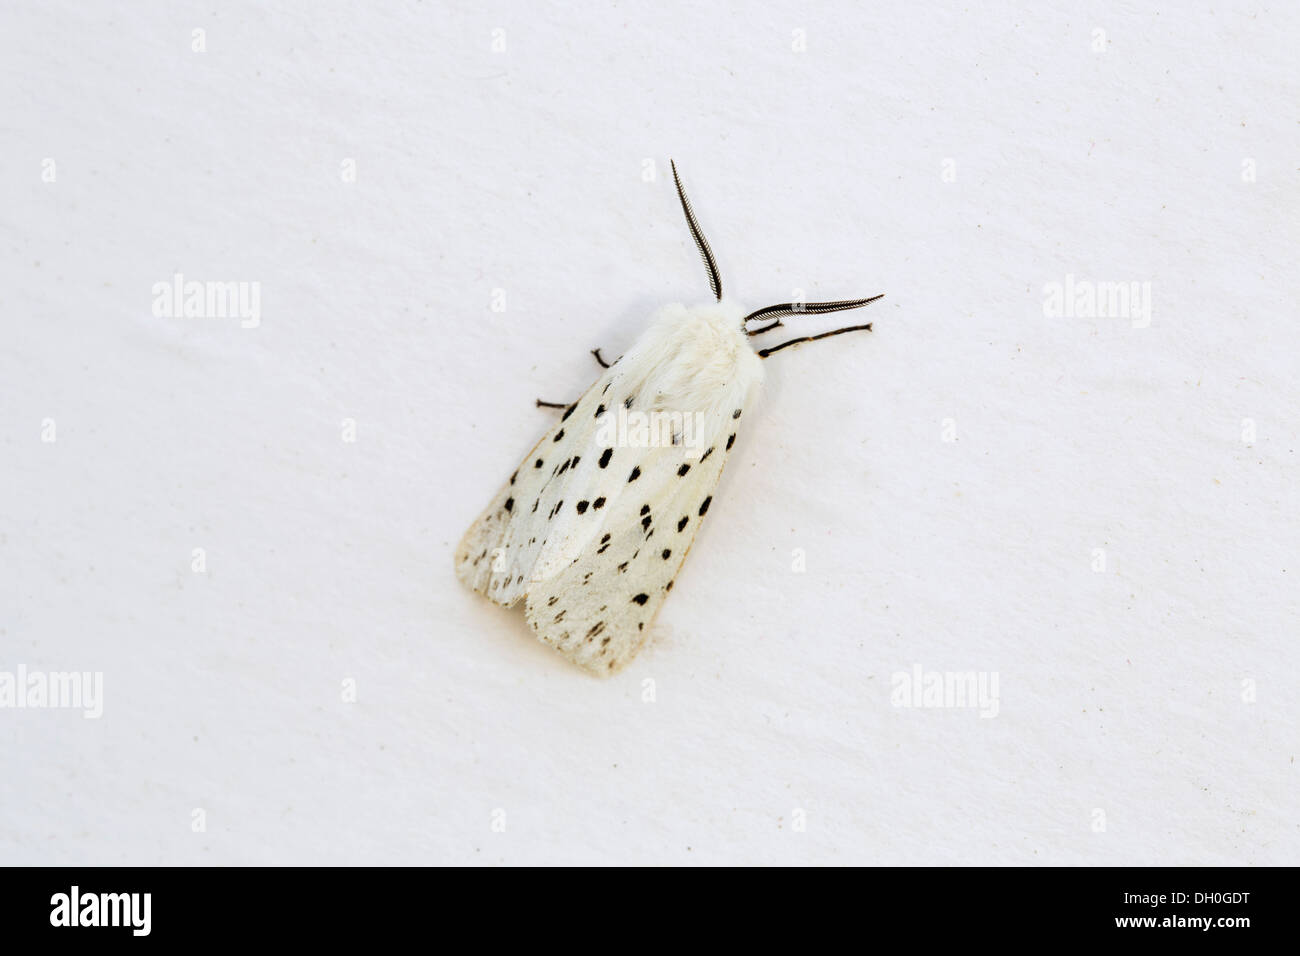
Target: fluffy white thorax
(694,360)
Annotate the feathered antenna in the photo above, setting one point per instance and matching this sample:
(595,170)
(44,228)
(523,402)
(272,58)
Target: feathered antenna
(715,280)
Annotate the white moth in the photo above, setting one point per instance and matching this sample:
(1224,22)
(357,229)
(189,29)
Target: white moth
(592,528)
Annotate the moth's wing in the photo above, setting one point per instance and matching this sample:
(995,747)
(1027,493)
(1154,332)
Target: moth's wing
(482,549)
(595,604)
(497,554)
(592,530)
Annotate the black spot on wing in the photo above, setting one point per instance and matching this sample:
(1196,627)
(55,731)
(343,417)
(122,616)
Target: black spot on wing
(635,474)
(705,506)
(682,524)
(641,598)
(605,457)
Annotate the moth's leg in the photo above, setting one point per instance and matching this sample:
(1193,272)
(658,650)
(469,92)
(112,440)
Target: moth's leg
(764,353)
(603,364)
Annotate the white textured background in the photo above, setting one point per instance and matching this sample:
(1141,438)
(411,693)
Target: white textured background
(1121,692)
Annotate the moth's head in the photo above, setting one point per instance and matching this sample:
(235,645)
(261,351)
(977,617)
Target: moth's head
(697,332)
(726,317)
